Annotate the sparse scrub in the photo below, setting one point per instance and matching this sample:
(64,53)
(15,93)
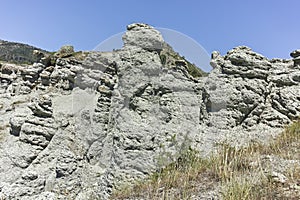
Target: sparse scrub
(181,175)
(237,189)
(239,172)
(169,57)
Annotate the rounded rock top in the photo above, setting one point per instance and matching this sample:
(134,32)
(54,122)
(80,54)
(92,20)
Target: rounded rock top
(138,26)
(295,53)
(143,36)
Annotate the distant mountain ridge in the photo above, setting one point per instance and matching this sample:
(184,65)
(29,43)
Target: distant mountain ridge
(18,53)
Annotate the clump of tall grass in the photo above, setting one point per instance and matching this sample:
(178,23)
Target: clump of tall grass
(238,172)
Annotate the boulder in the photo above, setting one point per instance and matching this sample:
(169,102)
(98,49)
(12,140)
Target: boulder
(296,57)
(295,53)
(143,36)
(65,51)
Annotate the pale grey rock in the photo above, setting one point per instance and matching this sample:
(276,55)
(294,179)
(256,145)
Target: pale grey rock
(41,107)
(278,177)
(45,78)
(15,125)
(82,128)
(246,96)
(65,51)
(7,68)
(144,36)
(295,53)
(296,61)
(215,54)
(296,57)
(31,175)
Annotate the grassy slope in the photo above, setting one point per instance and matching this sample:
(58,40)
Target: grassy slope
(254,172)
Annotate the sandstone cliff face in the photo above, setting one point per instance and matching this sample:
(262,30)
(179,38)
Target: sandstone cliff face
(81,127)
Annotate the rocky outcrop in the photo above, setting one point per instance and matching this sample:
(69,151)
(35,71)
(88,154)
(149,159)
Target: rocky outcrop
(143,36)
(296,57)
(248,96)
(79,128)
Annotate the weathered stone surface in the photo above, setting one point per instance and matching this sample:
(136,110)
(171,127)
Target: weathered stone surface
(295,53)
(144,36)
(41,107)
(65,51)
(248,94)
(80,128)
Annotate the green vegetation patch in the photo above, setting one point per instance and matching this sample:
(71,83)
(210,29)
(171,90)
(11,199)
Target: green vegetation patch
(169,57)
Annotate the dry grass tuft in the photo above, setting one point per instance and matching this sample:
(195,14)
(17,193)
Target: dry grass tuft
(236,173)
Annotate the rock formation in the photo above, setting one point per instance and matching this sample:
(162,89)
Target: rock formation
(78,128)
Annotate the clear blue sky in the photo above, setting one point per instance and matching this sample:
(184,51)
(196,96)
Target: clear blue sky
(270,27)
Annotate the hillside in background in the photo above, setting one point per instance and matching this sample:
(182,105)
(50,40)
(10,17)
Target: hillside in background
(18,53)
(169,57)
(91,125)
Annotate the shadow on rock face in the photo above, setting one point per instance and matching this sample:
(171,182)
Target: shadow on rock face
(116,117)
